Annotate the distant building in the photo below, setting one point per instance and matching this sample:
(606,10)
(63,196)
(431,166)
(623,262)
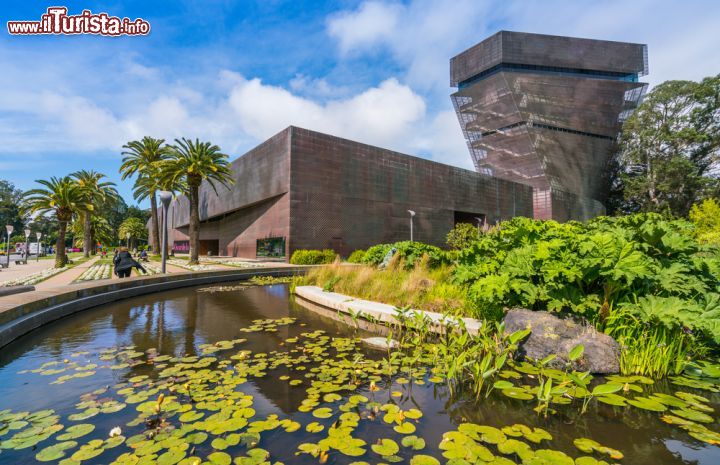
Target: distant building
(302,189)
(546,111)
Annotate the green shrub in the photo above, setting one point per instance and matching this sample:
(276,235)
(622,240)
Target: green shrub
(462,236)
(357,256)
(597,268)
(313,257)
(409,252)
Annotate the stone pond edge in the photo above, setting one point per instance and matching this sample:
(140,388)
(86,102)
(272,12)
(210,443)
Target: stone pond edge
(383,313)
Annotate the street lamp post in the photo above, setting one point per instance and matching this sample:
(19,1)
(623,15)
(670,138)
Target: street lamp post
(412,215)
(27,244)
(39,248)
(9,229)
(165,198)
(479,220)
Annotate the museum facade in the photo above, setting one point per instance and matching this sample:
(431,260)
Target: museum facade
(540,114)
(302,189)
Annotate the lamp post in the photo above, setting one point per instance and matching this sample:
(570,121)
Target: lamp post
(479,220)
(412,215)
(39,248)
(27,244)
(127,236)
(165,198)
(9,229)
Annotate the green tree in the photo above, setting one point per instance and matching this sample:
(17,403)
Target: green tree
(10,206)
(670,146)
(61,196)
(189,165)
(706,218)
(96,195)
(99,227)
(144,158)
(133,227)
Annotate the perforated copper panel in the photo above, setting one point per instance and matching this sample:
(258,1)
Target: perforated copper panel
(546,111)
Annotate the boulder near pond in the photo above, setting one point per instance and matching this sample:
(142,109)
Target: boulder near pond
(553,335)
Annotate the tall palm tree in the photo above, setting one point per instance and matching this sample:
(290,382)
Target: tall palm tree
(146,186)
(61,196)
(95,193)
(190,164)
(143,158)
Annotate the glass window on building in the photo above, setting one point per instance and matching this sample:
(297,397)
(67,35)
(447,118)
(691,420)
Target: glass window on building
(271,247)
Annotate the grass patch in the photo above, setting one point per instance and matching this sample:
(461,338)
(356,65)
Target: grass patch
(419,287)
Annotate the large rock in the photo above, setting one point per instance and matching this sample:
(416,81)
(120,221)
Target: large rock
(552,335)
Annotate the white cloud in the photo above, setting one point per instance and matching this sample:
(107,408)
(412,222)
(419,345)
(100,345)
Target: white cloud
(682,38)
(373,22)
(382,115)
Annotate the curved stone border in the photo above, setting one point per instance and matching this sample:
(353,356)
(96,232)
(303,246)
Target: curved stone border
(22,313)
(379,312)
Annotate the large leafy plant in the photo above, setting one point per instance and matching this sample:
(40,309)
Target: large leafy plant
(596,269)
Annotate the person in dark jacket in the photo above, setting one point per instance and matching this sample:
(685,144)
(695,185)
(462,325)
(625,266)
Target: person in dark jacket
(124,263)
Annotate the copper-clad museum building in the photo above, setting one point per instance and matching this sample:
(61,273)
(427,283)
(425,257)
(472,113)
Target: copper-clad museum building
(540,116)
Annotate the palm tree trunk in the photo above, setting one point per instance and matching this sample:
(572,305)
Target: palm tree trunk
(154,227)
(87,234)
(194,222)
(60,255)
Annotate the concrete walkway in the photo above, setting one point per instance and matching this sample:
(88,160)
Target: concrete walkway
(19,271)
(66,277)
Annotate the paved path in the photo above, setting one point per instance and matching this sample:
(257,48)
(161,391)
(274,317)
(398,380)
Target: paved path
(19,271)
(66,277)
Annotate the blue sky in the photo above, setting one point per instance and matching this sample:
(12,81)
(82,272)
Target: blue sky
(237,72)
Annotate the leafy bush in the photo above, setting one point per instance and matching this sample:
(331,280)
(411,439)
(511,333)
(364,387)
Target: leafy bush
(595,268)
(462,236)
(357,256)
(706,218)
(313,257)
(409,252)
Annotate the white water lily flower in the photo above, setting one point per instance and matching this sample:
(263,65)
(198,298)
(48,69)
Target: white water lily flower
(115,432)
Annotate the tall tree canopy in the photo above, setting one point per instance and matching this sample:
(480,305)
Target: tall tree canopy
(10,206)
(670,148)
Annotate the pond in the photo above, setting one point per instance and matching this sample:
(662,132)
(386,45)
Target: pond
(248,375)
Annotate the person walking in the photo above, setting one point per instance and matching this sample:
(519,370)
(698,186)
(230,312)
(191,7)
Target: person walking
(124,263)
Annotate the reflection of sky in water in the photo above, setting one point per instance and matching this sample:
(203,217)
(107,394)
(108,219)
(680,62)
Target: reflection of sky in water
(178,322)
(278,290)
(692,453)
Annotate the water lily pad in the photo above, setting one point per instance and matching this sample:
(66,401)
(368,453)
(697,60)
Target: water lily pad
(219,458)
(385,447)
(54,452)
(646,403)
(76,431)
(589,446)
(322,412)
(607,388)
(404,428)
(424,460)
(612,399)
(517,393)
(693,415)
(314,427)
(414,442)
